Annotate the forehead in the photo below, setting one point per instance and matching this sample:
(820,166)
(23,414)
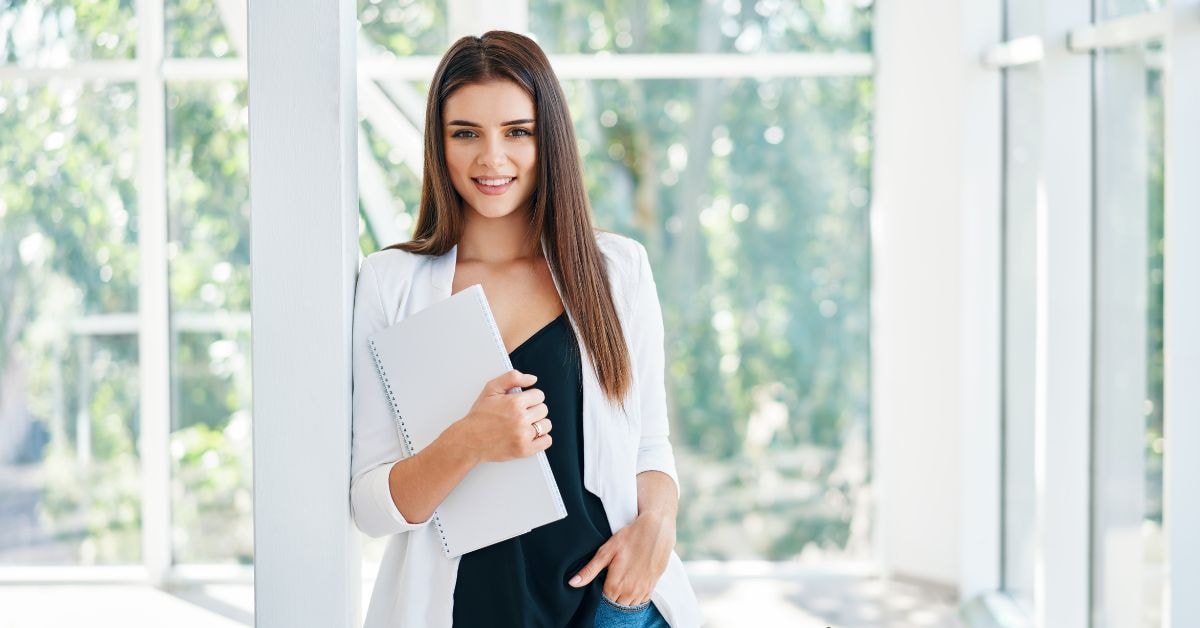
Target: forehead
(488,103)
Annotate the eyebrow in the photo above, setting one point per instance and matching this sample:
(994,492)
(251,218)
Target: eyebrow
(477,125)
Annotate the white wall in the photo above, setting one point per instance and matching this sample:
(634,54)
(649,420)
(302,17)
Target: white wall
(935,334)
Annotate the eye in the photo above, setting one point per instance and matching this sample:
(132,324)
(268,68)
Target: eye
(521,132)
(463,134)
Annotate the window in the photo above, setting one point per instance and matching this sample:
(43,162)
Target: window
(70,490)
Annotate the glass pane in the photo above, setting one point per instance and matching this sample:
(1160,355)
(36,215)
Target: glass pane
(56,32)
(403,27)
(208,247)
(587,26)
(70,474)
(768,371)
(205,28)
(1021,169)
(389,187)
(1023,17)
(1127,540)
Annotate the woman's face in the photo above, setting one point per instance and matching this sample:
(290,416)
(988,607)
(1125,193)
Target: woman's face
(491,152)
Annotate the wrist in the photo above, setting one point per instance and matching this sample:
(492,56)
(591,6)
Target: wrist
(459,443)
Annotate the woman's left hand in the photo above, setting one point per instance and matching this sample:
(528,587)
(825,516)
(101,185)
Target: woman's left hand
(636,557)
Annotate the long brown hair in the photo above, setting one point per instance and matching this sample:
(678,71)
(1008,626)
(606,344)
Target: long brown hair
(559,212)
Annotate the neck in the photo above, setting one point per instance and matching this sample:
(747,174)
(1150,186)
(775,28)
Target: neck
(496,240)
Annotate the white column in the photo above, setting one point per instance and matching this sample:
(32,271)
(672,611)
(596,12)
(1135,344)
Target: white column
(154,359)
(1062,414)
(979,419)
(935,327)
(304,253)
(1181,305)
(1119,398)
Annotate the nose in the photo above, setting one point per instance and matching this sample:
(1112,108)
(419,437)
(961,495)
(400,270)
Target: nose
(491,153)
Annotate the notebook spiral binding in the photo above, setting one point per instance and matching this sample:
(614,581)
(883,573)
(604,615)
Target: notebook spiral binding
(544,463)
(402,429)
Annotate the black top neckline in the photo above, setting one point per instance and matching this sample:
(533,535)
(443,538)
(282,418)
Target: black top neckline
(538,333)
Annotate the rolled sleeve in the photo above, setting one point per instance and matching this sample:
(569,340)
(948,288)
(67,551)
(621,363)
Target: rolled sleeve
(375,443)
(654,447)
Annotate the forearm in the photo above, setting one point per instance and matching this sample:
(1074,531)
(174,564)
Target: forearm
(657,495)
(420,483)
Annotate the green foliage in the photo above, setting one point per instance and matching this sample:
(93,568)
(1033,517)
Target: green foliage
(212,492)
(194,29)
(67,249)
(658,26)
(208,196)
(1155,187)
(93,491)
(405,27)
(58,30)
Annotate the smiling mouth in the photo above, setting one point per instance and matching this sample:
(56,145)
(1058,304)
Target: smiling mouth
(494,182)
(493,186)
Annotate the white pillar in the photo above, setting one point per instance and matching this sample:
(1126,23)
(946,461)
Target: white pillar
(1062,415)
(1120,364)
(935,327)
(154,358)
(1181,314)
(304,253)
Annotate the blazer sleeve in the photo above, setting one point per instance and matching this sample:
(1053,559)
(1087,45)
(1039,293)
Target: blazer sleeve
(375,443)
(654,448)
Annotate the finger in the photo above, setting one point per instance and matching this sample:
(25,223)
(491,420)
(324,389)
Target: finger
(537,412)
(531,397)
(592,569)
(511,379)
(541,428)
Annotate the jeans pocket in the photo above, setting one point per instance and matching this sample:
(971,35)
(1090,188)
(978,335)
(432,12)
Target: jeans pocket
(621,607)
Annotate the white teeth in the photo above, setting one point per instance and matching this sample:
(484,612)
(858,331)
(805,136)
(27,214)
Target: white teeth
(494,182)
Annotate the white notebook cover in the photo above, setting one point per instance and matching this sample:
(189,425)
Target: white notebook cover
(433,365)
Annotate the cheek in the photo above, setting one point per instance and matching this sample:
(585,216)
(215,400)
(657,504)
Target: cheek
(529,164)
(455,162)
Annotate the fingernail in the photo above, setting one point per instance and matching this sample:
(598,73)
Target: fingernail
(575,581)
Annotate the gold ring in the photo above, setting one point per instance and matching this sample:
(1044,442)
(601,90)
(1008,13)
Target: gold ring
(537,427)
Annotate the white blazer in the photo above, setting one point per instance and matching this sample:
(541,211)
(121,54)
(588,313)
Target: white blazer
(415,586)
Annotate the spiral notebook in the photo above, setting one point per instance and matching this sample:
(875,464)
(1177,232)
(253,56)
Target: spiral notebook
(433,365)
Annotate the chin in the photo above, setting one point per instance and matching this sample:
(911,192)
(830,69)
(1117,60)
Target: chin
(494,212)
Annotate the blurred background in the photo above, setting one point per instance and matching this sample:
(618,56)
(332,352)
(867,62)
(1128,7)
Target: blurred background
(738,140)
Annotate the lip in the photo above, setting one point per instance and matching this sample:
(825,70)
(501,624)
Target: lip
(493,190)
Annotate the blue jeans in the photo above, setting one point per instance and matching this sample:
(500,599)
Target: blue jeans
(610,614)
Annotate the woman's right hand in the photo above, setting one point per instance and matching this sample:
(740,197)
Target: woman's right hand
(499,425)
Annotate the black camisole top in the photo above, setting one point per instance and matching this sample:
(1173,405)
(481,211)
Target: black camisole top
(522,582)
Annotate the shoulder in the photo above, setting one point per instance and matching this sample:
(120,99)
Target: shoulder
(390,273)
(624,255)
(394,264)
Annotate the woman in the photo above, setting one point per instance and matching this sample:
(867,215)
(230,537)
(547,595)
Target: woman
(503,205)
